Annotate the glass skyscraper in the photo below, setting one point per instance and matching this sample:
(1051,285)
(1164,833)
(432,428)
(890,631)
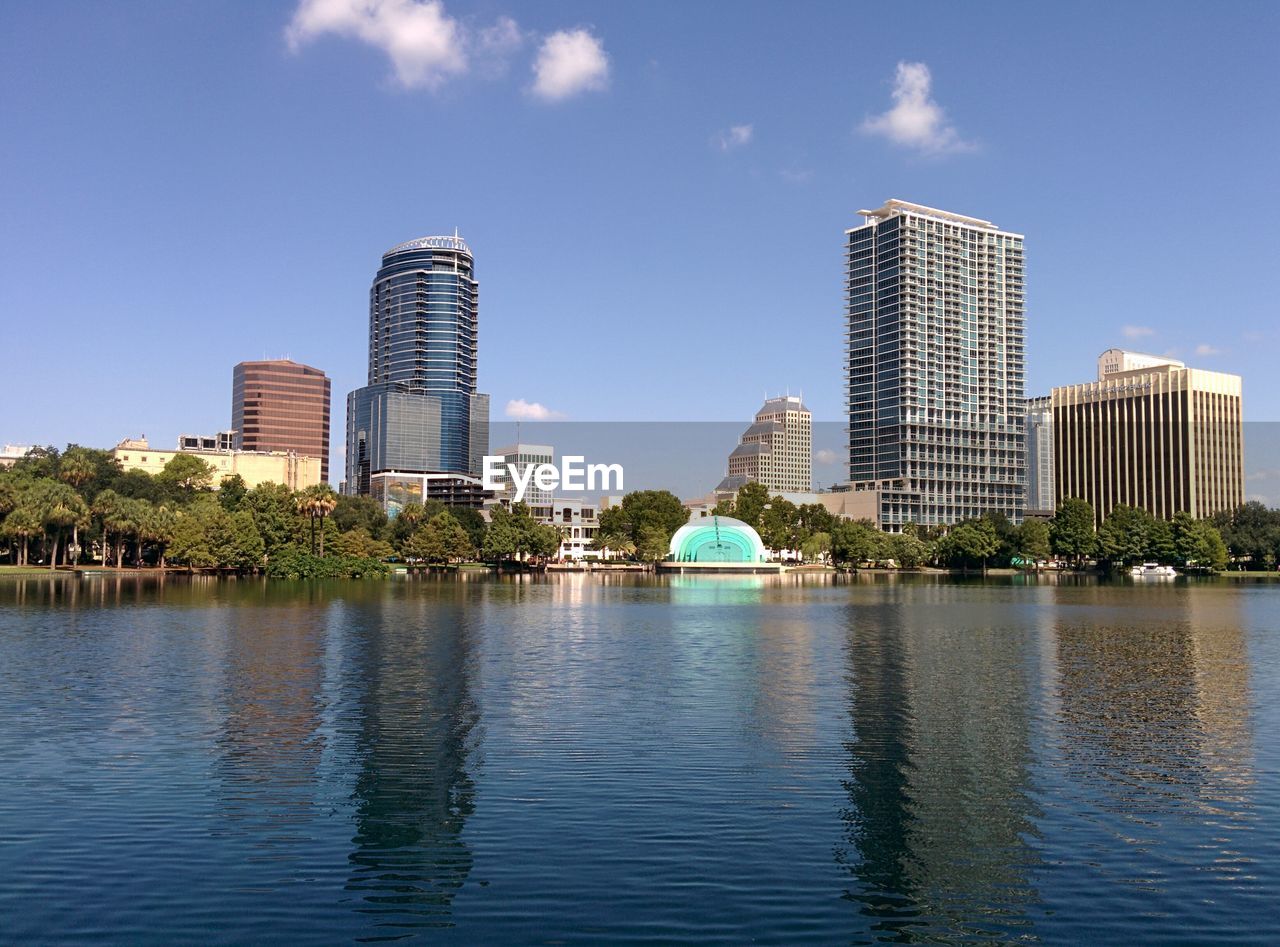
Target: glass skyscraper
(934,365)
(420,428)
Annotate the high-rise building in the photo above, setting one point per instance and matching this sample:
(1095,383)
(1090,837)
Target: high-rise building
(776,450)
(419,429)
(1122,360)
(520,457)
(281,405)
(934,365)
(1040,484)
(1160,436)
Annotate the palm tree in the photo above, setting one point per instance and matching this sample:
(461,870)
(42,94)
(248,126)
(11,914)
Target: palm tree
(76,468)
(316,502)
(58,507)
(22,523)
(155,526)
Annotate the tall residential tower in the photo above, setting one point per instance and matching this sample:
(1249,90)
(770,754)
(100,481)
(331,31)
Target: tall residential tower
(419,429)
(934,365)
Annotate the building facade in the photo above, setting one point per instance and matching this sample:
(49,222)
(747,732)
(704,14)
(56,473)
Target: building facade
(286,467)
(777,449)
(1165,438)
(934,365)
(420,413)
(281,405)
(521,457)
(1041,498)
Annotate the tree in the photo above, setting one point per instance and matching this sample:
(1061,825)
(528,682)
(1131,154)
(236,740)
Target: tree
(502,538)
(1125,535)
(275,514)
(1251,532)
(360,512)
(780,525)
(1198,543)
(657,510)
(23,524)
(652,544)
(750,503)
(231,491)
(184,476)
(970,542)
(156,526)
(1030,541)
(856,541)
(57,507)
(440,540)
(907,549)
(76,469)
(1071,531)
(316,502)
(816,546)
(1160,545)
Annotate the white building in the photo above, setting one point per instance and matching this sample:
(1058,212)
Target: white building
(520,457)
(1122,360)
(12,453)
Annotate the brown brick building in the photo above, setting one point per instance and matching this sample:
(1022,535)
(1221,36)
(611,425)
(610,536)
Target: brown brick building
(280,405)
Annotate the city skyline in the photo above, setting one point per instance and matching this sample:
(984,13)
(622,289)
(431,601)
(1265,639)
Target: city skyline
(918,120)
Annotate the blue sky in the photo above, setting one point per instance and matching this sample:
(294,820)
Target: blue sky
(655,193)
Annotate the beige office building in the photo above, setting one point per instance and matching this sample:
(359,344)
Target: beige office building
(256,467)
(1159,436)
(776,450)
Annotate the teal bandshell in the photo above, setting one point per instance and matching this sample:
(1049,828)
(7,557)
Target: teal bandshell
(717,539)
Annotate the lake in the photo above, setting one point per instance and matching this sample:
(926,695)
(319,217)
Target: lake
(639,759)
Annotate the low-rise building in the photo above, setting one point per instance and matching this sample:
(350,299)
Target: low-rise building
(256,467)
(12,453)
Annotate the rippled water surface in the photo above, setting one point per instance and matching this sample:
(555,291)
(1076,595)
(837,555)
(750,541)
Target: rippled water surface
(579,759)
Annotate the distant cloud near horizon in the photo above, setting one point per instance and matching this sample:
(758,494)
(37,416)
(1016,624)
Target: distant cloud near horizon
(521,410)
(1137,332)
(569,63)
(1205,349)
(916,120)
(825,456)
(734,137)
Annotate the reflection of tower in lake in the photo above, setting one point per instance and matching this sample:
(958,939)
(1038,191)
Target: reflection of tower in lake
(412,791)
(938,767)
(1155,711)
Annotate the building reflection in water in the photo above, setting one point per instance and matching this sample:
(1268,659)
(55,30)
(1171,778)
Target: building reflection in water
(1155,735)
(939,815)
(415,727)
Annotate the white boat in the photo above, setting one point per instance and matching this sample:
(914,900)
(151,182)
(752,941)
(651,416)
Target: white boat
(1152,570)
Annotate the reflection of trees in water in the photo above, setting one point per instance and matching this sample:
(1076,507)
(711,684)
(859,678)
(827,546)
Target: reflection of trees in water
(938,810)
(413,791)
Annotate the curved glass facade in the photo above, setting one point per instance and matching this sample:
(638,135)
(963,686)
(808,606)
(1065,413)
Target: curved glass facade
(717,539)
(420,411)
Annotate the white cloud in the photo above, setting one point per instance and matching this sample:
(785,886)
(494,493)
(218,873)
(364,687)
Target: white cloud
(825,456)
(570,62)
(523,410)
(796,175)
(1205,349)
(426,45)
(1136,332)
(735,137)
(495,45)
(916,120)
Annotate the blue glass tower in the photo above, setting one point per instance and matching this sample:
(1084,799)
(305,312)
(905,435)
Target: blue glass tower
(420,427)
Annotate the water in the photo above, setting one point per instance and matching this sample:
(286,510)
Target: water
(632,760)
